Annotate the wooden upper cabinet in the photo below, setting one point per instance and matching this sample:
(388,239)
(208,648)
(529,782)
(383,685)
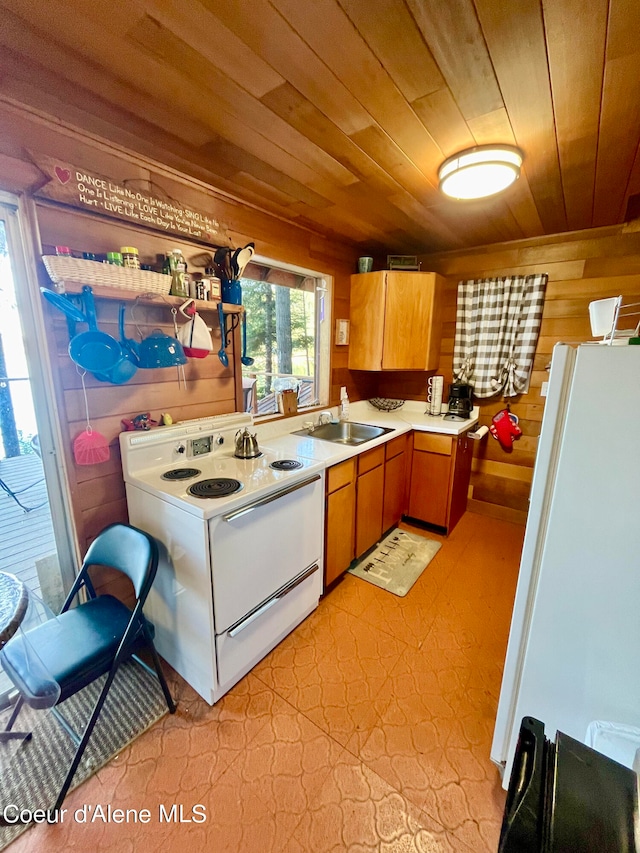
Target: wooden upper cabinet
(395,321)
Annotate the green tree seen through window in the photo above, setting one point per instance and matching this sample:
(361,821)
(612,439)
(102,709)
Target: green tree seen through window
(281,326)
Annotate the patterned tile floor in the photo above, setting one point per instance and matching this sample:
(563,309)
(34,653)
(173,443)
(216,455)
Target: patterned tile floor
(367,729)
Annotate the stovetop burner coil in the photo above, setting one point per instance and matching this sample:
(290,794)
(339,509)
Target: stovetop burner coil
(218,487)
(181,474)
(286,464)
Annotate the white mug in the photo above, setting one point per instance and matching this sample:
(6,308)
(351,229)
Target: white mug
(435,387)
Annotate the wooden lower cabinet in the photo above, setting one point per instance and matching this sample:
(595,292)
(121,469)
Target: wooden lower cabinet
(367,495)
(369,498)
(340,519)
(354,507)
(429,492)
(460,479)
(394,503)
(440,471)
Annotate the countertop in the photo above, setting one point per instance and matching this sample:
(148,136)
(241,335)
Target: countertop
(278,434)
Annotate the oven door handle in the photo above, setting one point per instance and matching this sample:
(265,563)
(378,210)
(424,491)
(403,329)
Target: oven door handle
(234,630)
(268,499)
(286,589)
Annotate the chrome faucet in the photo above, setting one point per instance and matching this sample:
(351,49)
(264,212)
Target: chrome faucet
(324,417)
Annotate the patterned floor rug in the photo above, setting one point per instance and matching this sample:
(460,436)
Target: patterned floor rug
(397,562)
(31,774)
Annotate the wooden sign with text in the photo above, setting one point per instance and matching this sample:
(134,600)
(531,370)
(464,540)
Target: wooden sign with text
(90,191)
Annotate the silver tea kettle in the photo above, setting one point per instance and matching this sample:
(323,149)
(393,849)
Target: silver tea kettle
(246,444)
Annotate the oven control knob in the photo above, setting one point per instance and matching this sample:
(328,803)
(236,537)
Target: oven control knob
(181,448)
(219,440)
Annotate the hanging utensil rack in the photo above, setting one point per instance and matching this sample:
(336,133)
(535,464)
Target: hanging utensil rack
(234,318)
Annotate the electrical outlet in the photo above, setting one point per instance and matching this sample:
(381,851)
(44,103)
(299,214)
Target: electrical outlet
(545,389)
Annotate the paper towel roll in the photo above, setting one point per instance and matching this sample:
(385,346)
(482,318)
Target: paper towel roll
(479,433)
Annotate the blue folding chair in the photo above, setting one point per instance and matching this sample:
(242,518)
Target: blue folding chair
(89,640)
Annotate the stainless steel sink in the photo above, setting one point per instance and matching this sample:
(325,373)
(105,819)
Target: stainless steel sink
(345,432)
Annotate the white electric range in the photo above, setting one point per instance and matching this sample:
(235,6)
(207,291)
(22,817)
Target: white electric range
(243,540)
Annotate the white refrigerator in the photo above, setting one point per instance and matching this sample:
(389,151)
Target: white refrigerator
(574,647)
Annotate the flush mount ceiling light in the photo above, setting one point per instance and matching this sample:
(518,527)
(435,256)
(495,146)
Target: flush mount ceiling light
(481,171)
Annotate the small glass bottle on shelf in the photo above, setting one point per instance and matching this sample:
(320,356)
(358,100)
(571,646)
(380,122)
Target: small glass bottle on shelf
(177,266)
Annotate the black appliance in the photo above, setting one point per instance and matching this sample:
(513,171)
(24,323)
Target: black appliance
(565,797)
(460,404)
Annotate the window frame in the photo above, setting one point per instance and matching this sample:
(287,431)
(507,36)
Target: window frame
(323,314)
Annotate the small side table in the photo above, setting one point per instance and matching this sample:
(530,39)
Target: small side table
(14,601)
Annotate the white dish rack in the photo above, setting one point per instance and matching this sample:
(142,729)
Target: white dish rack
(604,315)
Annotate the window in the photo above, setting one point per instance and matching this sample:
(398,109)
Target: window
(286,331)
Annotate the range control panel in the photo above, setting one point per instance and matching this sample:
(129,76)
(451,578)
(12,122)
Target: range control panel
(202,445)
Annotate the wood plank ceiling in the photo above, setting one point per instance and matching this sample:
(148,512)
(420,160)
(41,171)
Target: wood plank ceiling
(336,114)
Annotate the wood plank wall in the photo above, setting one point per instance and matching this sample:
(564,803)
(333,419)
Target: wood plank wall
(98,491)
(582,266)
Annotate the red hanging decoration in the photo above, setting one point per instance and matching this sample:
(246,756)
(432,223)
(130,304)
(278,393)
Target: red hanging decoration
(504,427)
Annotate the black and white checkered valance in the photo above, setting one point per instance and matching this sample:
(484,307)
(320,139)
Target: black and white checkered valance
(497,326)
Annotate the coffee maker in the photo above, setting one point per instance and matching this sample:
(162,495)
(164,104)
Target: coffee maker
(460,404)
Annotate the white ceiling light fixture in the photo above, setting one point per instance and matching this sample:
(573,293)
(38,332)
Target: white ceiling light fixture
(481,171)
